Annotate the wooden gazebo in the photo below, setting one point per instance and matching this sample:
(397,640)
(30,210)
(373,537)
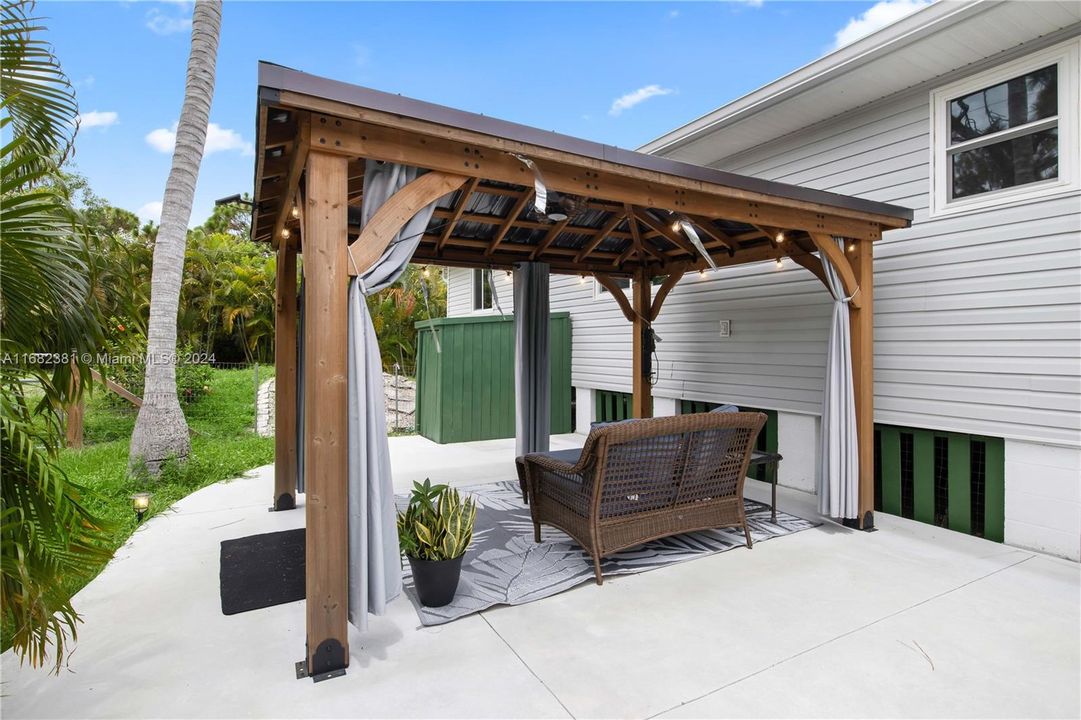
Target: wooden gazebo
(623,214)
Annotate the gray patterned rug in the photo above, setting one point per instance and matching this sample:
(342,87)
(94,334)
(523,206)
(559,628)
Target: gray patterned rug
(504,566)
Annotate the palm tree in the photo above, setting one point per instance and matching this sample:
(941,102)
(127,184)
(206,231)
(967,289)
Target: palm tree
(47,304)
(161,431)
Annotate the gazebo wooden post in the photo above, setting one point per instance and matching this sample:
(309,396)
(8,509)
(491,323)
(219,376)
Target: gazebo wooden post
(642,401)
(862,324)
(285,383)
(326,413)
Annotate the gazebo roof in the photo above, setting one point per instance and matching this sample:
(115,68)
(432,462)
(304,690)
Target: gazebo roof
(621,204)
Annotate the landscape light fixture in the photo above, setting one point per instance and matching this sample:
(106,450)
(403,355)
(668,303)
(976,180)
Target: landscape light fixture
(140,503)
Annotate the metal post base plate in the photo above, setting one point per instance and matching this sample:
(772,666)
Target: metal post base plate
(302,672)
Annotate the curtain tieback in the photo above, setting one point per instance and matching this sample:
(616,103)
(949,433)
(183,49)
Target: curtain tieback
(360,278)
(848,299)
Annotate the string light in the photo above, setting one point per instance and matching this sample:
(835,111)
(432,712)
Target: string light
(780,237)
(295,212)
(780,263)
(702,273)
(677,225)
(581,279)
(851,247)
(285,233)
(426,272)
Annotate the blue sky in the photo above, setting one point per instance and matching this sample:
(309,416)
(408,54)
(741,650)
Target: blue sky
(619,73)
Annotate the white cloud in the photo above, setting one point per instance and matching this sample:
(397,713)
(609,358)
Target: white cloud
(673,14)
(163,24)
(875,18)
(626,102)
(162,139)
(218,139)
(150,211)
(95,118)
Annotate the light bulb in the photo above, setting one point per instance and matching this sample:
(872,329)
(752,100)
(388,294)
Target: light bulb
(780,262)
(851,247)
(581,279)
(677,225)
(702,273)
(780,237)
(426,272)
(295,212)
(285,233)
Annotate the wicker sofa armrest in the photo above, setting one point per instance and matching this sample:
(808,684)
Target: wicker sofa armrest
(549,478)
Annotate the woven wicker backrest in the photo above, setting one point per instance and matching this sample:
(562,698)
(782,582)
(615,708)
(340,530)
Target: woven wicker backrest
(660,462)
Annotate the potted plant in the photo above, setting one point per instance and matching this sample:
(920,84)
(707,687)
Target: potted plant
(434,532)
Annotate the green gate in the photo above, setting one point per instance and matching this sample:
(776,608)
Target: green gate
(466,392)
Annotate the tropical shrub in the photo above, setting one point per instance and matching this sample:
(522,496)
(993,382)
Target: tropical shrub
(47,305)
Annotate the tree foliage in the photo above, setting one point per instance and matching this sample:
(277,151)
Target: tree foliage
(47,305)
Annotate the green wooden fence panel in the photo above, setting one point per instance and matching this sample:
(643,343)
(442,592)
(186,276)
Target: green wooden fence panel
(891,469)
(923,476)
(994,510)
(959,479)
(467,391)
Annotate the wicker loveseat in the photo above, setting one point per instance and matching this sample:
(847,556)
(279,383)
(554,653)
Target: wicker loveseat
(645,479)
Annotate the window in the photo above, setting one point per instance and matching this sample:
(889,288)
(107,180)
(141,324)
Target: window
(482,289)
(1008,134)
(600,291)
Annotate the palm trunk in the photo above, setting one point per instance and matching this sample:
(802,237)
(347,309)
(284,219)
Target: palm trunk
(161,430)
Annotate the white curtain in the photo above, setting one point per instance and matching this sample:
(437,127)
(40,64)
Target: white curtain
(531,379)
(838,481)
(375,576)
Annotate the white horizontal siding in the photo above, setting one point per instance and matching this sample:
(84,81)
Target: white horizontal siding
(977,316)
(460,293)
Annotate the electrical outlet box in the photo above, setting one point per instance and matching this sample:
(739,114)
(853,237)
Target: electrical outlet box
(726,328)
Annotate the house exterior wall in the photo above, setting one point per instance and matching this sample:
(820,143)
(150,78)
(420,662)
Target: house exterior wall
(977,317)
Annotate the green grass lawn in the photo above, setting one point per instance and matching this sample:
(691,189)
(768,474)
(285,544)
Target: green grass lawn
(224,445)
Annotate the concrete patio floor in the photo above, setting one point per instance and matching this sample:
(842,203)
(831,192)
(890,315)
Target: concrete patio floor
(909,621)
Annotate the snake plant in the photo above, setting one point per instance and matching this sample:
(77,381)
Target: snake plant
(437,524)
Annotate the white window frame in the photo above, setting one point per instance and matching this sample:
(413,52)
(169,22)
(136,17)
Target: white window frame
(473,293)
(1066,55)
(599,291)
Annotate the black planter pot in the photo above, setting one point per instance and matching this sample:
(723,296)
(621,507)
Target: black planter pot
(436,581)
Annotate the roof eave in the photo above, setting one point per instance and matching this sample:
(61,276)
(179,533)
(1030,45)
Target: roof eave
(920,24)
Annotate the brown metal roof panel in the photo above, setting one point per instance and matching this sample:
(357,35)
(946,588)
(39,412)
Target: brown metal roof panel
(279,78)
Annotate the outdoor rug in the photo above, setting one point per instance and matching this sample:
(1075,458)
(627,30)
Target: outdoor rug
(262,570)
(504,566)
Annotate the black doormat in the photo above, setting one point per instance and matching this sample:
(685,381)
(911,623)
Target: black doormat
(259,571)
